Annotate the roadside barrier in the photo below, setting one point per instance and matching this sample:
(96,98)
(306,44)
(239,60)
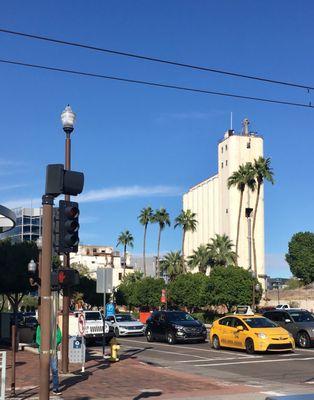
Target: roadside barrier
(3,363)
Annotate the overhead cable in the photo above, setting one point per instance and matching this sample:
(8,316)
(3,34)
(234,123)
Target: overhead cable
(153,84)
(158,60)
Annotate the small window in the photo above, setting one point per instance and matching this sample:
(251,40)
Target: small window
(222,165)
(226,147)
(222,149)
(248,145)
(226,210)
(120,276)
(226,162)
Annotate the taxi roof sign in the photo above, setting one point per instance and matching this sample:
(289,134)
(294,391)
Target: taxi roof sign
(244,310)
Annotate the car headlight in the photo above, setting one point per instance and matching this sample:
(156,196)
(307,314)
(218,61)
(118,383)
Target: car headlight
(261,335)
(178,327)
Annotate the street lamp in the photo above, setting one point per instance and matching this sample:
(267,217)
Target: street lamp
(68,118)
(32,267)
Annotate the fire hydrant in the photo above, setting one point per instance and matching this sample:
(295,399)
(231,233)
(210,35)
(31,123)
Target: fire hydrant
(114,347)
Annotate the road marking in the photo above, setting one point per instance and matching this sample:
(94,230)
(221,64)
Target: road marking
(165,351)
(188,347)
(215,359)
(306,350)
(254,361)
(289,355)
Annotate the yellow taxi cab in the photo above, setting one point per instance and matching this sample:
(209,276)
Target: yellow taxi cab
(251,332)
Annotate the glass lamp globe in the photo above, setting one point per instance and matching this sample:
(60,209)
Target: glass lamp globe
(32,266)
(39,242)
(68,119)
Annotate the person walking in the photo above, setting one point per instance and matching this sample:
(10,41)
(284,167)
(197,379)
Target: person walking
(53,359)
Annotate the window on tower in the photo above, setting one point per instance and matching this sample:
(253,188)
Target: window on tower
(248,145)
(222,165)
(226,162)
(226,147)
(222,149)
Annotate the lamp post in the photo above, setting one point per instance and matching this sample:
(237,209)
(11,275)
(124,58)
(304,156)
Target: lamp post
(278,294)
(68,118)
(39,244)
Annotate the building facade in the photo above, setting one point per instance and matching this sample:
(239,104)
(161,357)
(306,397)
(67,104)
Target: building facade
(28,225)
(94,257)
(217,207)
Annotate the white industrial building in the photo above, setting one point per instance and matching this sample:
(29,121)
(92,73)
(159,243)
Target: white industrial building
(94,257)
(217,207)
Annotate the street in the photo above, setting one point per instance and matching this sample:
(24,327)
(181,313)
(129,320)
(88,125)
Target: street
(271,373)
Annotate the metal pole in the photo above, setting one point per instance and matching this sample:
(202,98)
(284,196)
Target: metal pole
(104,331)
(66,263)
(39,289)
(278,293)
(45,321)
(13,341)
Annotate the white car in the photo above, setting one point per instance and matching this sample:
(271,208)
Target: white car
(125,325)
(282,307)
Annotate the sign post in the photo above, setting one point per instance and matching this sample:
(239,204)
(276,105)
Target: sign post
(104,285)
(81,328)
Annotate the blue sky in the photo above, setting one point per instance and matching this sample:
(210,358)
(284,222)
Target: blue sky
(143,146)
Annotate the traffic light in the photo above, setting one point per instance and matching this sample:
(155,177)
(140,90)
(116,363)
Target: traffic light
(68,277)
(68,238)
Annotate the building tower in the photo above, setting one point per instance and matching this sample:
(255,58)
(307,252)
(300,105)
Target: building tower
(217,207)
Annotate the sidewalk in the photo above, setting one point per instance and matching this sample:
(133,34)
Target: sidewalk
(125,380)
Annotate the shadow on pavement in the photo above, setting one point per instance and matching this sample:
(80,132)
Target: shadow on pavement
(148,393)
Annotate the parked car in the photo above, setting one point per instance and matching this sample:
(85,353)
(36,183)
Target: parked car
(30,322)
(300,323)
(125,325)
(174,326)
(250,332)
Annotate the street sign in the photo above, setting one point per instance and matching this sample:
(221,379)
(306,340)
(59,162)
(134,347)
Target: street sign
(163,298)
(81,324)
(110,311)
(104,280)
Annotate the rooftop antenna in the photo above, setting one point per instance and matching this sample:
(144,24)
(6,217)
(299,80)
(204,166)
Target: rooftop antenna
(231,120)
(246,124)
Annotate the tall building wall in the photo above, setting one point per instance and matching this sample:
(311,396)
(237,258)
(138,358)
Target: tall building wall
(217,207)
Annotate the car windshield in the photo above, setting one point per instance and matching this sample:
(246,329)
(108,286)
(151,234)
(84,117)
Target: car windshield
(124,318)
(260,322)
(92,316)
(179,316)
(301,316)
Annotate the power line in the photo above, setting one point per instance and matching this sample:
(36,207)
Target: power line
(154,84)
(155,59)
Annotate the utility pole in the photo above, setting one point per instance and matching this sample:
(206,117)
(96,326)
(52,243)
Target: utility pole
(45,321)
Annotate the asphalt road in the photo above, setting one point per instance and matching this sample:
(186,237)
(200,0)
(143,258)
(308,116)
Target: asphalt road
(277,373)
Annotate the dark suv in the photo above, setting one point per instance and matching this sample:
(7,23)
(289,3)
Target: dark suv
(174,326)
(298,322)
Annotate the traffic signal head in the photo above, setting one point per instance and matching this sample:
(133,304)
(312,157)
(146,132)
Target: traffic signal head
(68,227)
(68,277)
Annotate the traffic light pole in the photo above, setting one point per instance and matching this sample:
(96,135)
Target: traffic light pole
(45,319)
(66,263)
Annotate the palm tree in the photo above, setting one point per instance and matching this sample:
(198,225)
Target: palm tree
(221,253)
(262,172)
(187,220)
(145,218)
(201,259)
(125,239)
(172,264)
(161,217)
(241,178)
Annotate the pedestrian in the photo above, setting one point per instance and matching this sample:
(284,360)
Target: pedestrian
(53,359)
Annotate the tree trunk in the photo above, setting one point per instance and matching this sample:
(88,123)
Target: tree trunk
(124,252)
(158,249)
(238,227)
(144,250)
(183,259)
(253,228)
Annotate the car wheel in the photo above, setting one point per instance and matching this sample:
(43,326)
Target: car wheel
(116,332)
(303,340)
(216,342)
(249,346)
(149,336)
(170,338)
